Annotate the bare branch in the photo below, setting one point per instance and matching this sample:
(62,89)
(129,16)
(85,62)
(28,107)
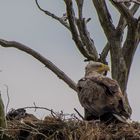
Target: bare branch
(104,17)
(131,43)
(79,114)
(38,107)
(75,34)
(104,53)
(73,27)
(122,22)
(40,58)
(72,22)
(86,39)
(83,31)
(122,1)
(134,8)
(80,7)
(122,8)
(61,20)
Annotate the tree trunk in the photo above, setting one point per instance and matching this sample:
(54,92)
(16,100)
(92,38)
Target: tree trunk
(119,69)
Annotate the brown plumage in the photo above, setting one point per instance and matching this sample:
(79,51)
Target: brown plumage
(101,96)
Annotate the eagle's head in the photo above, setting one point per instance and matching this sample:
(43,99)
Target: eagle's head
(96,67)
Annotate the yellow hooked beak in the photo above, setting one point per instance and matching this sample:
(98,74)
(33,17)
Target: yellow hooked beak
(106,67)
(103,68)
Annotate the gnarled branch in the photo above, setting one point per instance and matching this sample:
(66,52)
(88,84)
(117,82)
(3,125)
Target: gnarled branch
(43,60)
(75,34)
(84,33)
(88,50)
(122,1)
(122,22)
(86,39)
(123,9)
(60,19)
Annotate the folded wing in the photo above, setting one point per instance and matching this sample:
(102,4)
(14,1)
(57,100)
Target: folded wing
(101,98)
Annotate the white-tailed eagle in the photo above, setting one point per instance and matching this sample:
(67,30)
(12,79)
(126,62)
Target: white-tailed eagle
(101,96)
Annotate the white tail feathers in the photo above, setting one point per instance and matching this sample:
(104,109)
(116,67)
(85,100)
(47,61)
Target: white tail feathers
(122,118)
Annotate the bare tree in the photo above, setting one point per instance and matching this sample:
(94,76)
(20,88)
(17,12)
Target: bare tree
(121,50)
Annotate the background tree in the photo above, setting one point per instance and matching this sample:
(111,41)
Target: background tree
(121,49)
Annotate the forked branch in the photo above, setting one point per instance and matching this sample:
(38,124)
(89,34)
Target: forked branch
(83,31)
(60,19)
(87,50)
(75,32)
(124,10)
(122,22)
(122,1)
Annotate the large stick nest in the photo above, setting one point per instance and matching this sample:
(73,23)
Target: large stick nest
(59,127)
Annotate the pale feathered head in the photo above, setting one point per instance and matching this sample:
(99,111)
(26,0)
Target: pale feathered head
(97,67)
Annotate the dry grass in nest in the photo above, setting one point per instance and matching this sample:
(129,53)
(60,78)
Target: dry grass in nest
(57,128)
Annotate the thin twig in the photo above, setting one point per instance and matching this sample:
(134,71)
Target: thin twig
(79,113)
(63,22)
(38,107)
(34,105)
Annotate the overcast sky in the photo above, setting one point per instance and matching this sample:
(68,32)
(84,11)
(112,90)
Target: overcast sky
(27,79)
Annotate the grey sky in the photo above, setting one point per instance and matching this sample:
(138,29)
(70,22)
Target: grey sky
(28,80)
